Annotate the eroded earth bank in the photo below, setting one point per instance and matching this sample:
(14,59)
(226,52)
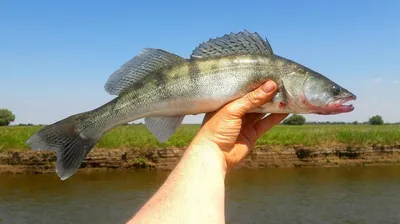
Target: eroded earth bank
(166,159)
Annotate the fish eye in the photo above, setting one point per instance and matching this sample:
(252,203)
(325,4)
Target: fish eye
(336,89)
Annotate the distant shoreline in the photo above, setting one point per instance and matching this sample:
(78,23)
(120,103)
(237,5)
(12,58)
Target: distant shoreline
(138,136)
(263,156)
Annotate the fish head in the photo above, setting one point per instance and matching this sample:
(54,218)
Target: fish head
(323,96)
(310,92)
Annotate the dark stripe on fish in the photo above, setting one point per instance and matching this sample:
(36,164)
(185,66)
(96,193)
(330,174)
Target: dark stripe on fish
(194,71)
(160,82)
(214,66)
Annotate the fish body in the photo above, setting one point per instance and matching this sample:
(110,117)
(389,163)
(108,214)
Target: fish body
(195,86)
(162,88)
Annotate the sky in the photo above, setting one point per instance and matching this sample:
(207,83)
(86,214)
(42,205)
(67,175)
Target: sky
(56,56)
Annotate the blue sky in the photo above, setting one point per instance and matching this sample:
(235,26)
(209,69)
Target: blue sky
(55,57)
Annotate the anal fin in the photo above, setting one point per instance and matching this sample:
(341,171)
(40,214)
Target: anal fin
(163,127)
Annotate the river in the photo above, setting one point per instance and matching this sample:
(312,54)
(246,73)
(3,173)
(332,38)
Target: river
(303,195)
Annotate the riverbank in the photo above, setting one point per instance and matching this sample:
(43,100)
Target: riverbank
(134,147)
(165,159)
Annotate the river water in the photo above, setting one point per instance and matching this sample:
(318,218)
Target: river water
(303,195)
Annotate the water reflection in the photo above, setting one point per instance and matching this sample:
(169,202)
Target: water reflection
(314,195)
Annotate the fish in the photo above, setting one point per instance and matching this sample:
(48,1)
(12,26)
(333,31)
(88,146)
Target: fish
(162,88)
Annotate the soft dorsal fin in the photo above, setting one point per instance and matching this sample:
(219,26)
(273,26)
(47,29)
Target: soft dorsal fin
(233,43)
(147,61)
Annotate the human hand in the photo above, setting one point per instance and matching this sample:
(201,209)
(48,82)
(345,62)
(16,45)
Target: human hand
(233,130)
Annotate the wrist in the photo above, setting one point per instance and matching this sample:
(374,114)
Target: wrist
(209,153)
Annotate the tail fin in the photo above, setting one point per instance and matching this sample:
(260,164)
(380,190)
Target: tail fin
(69,142)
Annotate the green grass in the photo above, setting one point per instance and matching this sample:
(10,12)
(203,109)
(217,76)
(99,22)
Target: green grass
(137,136)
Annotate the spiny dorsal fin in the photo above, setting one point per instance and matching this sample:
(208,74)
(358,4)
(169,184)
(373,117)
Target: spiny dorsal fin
(147,61)
(233,43)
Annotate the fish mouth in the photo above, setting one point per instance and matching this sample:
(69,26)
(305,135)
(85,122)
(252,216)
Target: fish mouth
(340,106)
(337,106)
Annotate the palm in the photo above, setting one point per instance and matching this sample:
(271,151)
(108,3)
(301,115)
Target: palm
(235,136)
(233,130)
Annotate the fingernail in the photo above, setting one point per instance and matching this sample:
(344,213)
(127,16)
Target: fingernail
(268,86)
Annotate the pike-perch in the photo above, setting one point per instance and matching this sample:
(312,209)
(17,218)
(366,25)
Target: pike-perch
(163,87)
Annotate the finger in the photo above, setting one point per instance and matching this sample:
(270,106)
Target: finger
(207,117)
(267,123)
(252,118)
(252,100)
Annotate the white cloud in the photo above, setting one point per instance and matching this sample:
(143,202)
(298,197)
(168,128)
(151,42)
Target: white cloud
(396,82)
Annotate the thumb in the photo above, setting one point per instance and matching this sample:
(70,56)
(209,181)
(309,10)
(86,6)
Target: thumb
(252,100)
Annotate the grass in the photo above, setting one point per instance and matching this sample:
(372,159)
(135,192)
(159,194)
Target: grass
(129,136)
